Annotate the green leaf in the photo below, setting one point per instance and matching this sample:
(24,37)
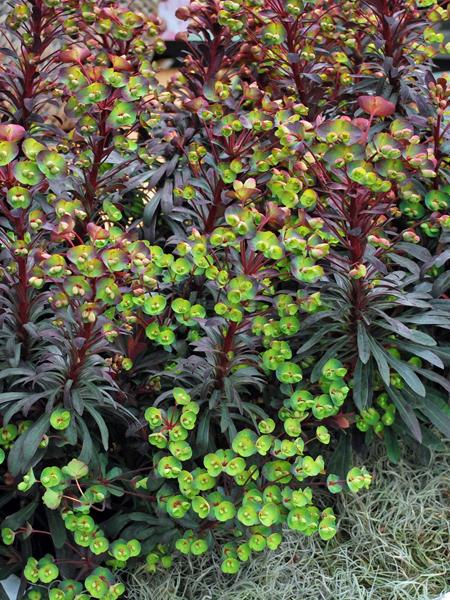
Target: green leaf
(22,453)
(378,354)
(76,469)
(362,392)
(57,528)
(149,216)
(20,517)
(432,441)
(407,374)
(363,342)
(342,456)
(87,449)
(406,413)
(392,446)
(398,327)
(5,498)
(432,376)
(203,432)
(427,355)
(407,263)
(439,260)
(103,428)
(437,410)
(430,318)
(18,401)
(415,250)
(441,284)
(312,341)
(444,354)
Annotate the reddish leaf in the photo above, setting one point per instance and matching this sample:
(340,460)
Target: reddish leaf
(361,123)
(74,55)
(11,133)
(119,63)
(195,104)
(341,421)
(376,106)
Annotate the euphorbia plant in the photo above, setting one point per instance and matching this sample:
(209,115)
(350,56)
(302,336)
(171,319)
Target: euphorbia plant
(370,167)
(176,360)
(87,281)
(73,79)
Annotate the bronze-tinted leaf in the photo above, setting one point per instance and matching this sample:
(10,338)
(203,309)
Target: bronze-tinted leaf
(376,106)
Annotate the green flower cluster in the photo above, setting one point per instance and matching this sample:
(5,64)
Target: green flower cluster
(213,289)
(268,470)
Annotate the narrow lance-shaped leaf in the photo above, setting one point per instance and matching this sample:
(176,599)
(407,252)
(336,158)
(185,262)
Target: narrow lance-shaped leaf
(411,334)
(407,374)
(363,343)
(23,451)
(406,413)
(362,391)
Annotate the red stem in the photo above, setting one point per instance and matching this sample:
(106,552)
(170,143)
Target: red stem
(224,361)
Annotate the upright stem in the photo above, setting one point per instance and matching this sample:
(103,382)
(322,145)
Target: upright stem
(357,242)
(79,356)
(227,346)
(437,148)
(214,208)
(23,304)
(30,70)
(92,175)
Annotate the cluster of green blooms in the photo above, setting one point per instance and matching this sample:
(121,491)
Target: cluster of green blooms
(372,417)
(94,276)
(383,414)
(99,584)
(43,571)
(8,433)
(55,185)
(362,175)
(396,156)
(268,470)
(398,153)
(103,90)
(67,482)
(180,364)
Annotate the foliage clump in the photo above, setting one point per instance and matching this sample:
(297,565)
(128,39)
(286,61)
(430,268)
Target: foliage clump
(211,291)
(390,545)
